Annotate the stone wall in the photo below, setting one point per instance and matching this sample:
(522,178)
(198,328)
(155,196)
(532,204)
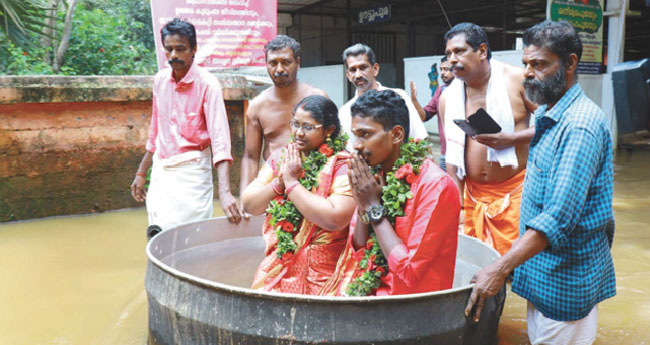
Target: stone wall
(71,145)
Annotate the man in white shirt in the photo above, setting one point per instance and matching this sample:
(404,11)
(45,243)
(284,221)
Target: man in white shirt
(362,69)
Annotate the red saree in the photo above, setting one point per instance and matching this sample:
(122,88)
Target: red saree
(314,261)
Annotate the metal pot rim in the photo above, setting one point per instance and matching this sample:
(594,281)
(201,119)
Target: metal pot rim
(297,297)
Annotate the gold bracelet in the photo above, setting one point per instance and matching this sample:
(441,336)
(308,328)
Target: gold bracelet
(363,217)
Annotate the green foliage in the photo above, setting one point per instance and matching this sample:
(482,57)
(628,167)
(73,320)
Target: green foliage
(398,182)
(365,284)
(20,61)
(100,45)
(393,197)
(285,217)
(374,265)
(21,18)
(147,179)
(285,242)
(137,14)
(108,38)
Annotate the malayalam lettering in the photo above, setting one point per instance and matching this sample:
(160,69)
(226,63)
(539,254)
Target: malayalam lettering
(586,17)
(230,33)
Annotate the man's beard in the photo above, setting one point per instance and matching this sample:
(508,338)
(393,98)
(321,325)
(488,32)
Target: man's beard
(546,91)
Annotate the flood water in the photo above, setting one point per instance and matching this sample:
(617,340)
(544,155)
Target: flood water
(80,280)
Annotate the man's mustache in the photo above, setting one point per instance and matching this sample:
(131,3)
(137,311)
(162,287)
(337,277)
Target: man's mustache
(532,83)
(278,75)
(171,61)
(456,67)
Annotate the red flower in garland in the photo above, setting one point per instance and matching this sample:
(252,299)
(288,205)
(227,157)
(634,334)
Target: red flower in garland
(302,174)
(410,178)
(371,266)
(326,150)
(370,244)
(279,199)
(414,152)
(287,256)
(404,171)
(286,226)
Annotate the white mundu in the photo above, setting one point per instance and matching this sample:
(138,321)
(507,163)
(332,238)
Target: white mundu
(542,330)
(180,190)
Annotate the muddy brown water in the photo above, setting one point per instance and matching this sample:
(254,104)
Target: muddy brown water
(80,280)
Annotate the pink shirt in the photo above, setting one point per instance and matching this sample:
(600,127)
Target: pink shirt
(432,108)
(189,115)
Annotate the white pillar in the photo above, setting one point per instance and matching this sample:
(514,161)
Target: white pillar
(616,11)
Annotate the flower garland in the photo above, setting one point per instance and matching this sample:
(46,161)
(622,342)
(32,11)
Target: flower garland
(393,197)
(285,217)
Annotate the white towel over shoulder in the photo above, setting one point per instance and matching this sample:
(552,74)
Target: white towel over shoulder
(498,106)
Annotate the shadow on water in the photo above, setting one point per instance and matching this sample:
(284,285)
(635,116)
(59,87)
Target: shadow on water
(80,280)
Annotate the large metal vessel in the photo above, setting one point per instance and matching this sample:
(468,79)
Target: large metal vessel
(196,286)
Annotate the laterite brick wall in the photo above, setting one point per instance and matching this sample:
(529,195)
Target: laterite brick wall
(71,145)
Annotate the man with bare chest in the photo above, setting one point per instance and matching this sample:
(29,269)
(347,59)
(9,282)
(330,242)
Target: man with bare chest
(488,169)
(268,114)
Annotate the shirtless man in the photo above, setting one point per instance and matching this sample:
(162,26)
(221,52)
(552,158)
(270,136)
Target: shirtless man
(268,114)
(488,169)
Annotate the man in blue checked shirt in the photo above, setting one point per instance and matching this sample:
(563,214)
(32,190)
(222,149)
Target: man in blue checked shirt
(562,260)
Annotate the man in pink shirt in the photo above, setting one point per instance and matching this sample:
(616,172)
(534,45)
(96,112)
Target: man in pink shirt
(189,133)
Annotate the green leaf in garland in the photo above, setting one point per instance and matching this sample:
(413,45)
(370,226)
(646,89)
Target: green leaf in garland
(285,210)
(394,196)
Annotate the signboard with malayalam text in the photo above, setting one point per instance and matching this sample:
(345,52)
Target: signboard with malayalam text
(586,16)
(229,33)
(374,15)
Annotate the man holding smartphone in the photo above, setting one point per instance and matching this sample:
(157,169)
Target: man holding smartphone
(488,169)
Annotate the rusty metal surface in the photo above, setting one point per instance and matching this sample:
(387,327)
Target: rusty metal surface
(191,300)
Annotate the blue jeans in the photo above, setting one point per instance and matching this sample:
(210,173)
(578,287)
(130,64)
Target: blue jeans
(442,164)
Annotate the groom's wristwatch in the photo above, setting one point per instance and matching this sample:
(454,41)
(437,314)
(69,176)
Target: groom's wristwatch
(376,213)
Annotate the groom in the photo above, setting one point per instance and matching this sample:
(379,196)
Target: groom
(420,246)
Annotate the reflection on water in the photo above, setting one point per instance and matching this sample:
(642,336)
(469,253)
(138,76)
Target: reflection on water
(80,280)
(243,255)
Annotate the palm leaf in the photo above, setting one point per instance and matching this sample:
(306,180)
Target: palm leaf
(20,18)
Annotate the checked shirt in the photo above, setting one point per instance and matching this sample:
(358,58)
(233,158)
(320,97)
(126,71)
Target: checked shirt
(568,196)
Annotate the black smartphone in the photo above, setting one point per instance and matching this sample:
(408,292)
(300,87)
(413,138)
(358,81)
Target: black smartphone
(483,122)
(478,123)
(466,127)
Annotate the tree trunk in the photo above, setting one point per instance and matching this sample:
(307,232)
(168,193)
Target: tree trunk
(65,38)
(49,29)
